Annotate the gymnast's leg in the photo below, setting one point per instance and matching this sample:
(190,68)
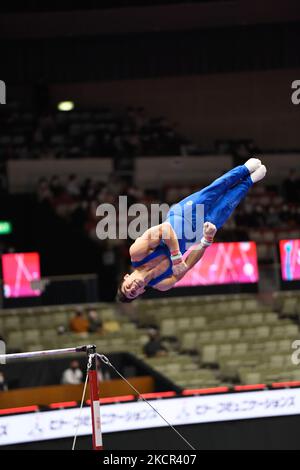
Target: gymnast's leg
(183,215)
(210,194)
(226,203)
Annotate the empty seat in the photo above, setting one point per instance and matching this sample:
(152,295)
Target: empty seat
(209,354)
(209,309)
(11,323)
(250,377)
(107,313)
(278,331)
(188,340)
(291,331)
(183,323)
(49,334)
(117,344)
(196,310)
(128,328)
(289,306)
(32,336)
(190,366)
(168,327)
(198,322)
(15,341)
(276,361)
(256,318)
(233,334)
(166,310)
(284,345)
(296,375)
(29,321)
(219,335)
(229,366)
(45,321)
(249,333)
(262,332)
(271,346)
(270,318)
(223,307)
(252,359)
(235,306)
(204,336)
(172,368)
(60,318)
(250,305)
(224,350)
(242,319)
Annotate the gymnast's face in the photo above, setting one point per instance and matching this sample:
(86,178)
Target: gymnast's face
(133,285)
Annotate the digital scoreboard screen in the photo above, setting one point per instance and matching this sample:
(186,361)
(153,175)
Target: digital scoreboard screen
(290,259)
(20,272)
(224,263)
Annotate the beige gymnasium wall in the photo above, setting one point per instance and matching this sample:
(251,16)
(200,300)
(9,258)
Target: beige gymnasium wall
(228,105)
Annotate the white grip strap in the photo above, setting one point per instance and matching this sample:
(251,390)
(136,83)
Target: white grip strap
(205,242)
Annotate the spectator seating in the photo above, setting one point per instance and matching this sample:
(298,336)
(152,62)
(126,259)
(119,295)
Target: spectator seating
(211,340)
(237,338)
(87,133)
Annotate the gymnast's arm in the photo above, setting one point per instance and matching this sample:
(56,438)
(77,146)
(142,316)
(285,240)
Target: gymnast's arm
(193,257)
(209,231)
(151,239)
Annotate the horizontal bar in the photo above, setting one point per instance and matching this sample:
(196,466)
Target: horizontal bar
(50,352)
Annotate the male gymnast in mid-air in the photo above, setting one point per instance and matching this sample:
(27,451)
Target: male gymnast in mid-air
(157,256)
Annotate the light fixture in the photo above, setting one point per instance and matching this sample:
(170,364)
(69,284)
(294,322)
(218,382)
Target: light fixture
(65,106)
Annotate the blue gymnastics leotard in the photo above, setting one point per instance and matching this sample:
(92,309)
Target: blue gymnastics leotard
(219,200)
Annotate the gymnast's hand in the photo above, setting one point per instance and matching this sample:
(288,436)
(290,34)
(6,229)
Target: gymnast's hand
(179,266)
(209,231)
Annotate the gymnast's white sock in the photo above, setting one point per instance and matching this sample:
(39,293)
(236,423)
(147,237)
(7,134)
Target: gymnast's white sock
(253,164)
(258,174)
